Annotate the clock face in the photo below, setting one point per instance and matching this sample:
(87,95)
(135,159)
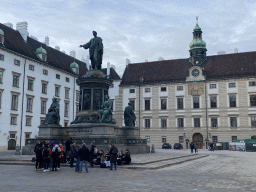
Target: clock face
(195,72)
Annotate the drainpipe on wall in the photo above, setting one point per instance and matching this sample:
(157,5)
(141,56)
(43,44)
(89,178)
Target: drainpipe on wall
(74,90)
(22,103)
(206,115)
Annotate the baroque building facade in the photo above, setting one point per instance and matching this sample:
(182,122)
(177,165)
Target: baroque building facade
(31,74)
(201,99)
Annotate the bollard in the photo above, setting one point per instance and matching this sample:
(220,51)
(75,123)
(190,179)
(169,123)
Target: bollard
(153,148)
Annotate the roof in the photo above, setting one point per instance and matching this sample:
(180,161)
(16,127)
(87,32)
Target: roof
(215,67)
(13,41)
(113,75)
(41,50)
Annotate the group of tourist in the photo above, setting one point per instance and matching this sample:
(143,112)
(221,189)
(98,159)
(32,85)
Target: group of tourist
(49,156)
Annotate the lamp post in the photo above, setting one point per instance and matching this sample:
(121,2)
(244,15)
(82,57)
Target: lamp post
(141,81)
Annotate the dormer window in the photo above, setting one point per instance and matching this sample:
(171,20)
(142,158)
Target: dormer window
(75,67)
(1,36)
(41,53)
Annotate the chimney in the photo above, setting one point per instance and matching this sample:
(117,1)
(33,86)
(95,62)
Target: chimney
(63,52)
(113,66)
(57,47)
(160,59)
(73,53)
(146,60)
(9,25)
(33,37)
(108,68)
(46,41)
(236,50)
(22,27)
(127,61)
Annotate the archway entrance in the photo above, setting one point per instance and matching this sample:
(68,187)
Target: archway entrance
(12,144)
(198,140)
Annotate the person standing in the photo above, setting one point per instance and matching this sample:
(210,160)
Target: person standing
(113,156)
(56,151)
(195,148)
(77,158)
(84,157)
(39,156)
(72,154)
(192,146)
(68,143)
(47,153)
(92,154)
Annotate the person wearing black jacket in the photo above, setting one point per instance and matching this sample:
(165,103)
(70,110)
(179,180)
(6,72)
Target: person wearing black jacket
(39,156)
(92,154)
(83,153)
(127,157)
(113,156)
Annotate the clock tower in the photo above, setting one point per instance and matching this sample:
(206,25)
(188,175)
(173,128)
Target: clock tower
(197,47)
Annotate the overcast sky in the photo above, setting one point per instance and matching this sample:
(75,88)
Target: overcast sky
(137,30)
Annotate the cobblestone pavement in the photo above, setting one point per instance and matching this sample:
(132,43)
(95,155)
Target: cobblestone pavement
(220,171)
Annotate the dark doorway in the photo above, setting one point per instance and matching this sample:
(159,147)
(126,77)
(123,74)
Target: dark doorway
(198,140)
(12,144)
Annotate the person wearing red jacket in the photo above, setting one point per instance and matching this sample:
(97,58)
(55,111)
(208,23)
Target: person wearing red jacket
(47,153)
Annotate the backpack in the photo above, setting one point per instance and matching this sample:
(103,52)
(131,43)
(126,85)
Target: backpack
(114,151)
(38,151)
(57,153)
(46,152)
(33,159)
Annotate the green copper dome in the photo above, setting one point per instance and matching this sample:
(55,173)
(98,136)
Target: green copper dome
(197,28)
(1,32)
(41,50)
(197,43)
(74,65)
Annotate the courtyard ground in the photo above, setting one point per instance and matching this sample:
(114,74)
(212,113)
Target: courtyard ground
(207,171)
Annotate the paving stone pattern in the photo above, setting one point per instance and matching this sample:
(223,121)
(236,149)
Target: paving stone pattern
(220,171)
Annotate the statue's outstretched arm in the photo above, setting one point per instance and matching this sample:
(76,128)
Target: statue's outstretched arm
(87,45)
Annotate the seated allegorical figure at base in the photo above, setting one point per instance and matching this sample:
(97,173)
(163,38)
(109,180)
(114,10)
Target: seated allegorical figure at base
(53,115)
(129,116)
(105,113)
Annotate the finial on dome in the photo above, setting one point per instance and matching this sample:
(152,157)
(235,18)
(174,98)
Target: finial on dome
(197,19)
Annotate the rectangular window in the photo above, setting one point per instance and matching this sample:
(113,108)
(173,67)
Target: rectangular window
(31,67)
(233,138)
(65,123)
(45,72)
(44,88)
(181,140)
(30,84)
(28,121)
(212,86)
(163,123)
(132,104)
(147,90)
(252,83)
(252,100)
(163,89)
(163,104)
(233,121)
(180,103)
(196,122)
(214,139)
(148,138)
(180,122)
(163,139)
(253,121)
(196,102)
(57,91)
(77,109)
(179,88)
(214,122)
(57,76)
(16,80)
(66,109)
(43,106)
(1,76)
(13,120)
(41,121)
(66,93)
(213,100)
(14,105)
(77,96)
(12,135)
(67,79)
(147,123)
(232,101)
(147,104)
(231,85)
(16,62)
(29,104)
(132,90)
(1,57)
